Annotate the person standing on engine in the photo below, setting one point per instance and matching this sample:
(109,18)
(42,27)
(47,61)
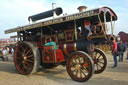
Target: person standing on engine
(87,26)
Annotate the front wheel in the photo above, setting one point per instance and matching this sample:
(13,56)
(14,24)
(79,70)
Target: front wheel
(80,66)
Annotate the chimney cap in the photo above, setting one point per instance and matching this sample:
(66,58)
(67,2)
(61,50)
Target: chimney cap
(82,8)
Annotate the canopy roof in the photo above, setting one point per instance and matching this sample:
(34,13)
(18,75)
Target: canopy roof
(77,16)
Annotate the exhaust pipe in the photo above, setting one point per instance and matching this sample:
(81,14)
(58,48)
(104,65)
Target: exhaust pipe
(46,14)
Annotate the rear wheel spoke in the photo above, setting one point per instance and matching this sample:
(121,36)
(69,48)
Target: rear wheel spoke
(99,56)
(30,61)
(30,56)
(99,65)
(100,61)
(28,52)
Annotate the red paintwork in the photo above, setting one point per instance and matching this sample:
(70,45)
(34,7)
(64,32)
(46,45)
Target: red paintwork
(70,47)
(91,47)
(50,55)
(59,56)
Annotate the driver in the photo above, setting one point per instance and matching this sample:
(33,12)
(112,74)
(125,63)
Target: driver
(87,26)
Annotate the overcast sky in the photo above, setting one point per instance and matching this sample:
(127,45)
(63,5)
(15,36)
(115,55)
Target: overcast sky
(15,13)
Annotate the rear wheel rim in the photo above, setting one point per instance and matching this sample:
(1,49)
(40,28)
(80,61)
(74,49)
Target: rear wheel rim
(24,58)
(100,61)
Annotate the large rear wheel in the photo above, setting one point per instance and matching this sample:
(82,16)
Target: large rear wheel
(100,61)
(80,66)
(26,58)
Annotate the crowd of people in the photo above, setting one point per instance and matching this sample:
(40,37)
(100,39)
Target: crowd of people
(4,53)
(118,49)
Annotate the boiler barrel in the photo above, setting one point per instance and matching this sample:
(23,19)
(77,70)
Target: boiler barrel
(46,14)
(77,46)
(85,46)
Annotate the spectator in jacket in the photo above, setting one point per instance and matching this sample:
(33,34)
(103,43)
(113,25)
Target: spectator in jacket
(120,48)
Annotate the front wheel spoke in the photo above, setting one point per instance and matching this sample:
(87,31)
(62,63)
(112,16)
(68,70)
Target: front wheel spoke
(73,61)
(72,64)
(83,72)
(87,70)
(76,61)
(79,59)
(76,72)
(82,60)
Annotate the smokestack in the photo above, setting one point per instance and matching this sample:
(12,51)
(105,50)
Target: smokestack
(82,8)
(53,7)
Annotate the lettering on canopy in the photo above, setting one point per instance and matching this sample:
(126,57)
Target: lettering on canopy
(71,17)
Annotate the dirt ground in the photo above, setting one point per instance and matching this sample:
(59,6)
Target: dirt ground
(59,76)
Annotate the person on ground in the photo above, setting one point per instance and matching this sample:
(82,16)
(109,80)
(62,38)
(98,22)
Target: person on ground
(5,52)
(120,48)
(114,51)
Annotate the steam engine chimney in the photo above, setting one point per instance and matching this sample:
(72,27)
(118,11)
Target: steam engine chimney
(82,8)
(53,7)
